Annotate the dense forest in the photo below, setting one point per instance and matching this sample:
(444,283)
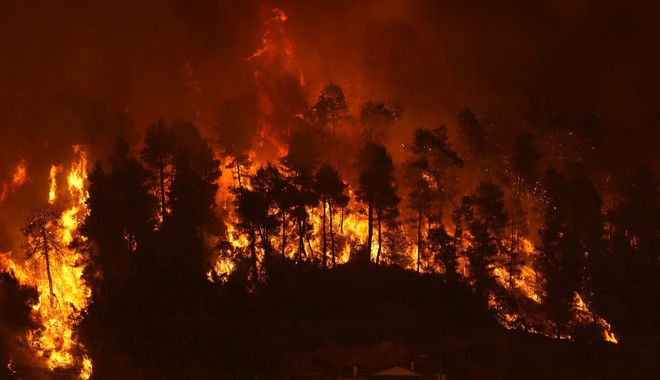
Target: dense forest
(494,255)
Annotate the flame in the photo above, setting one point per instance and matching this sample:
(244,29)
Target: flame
(525,283)
(349,226)
(54,341)
(52,192)
(586,315)
(19,177)
(20,174)
(10,366)
(273,61)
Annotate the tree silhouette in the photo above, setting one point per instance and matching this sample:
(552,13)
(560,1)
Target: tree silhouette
(636,217)
(435,156)
(330,188)
(377,189)
(157,153)
(299,164)
(267,182)
(192,195)
(419,199)
(486,227)
(428,170)
(121,216)
(252,208)
(633,266)
(517,229)
(241,165)
(445,248)
(473,133)
(332,102)
(572,246)
(376,119)
(40,231)
(284,197)
(524,160)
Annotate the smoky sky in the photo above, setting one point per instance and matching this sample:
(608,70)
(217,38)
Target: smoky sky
(86,72)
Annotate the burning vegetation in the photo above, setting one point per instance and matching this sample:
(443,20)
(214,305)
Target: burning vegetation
(196,250)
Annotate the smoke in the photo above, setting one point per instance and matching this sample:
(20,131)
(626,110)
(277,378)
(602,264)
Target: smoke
(88,73)
(438,57)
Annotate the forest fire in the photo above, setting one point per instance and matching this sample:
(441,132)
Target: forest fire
(357,186)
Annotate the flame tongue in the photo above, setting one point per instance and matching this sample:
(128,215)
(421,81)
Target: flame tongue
(19,177)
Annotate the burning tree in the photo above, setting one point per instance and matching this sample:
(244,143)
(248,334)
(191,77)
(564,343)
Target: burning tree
(42,237)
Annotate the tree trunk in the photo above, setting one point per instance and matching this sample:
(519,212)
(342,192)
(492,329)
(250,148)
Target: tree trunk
(253,254)
(456,246)
(283,234)
(264,235)
(332,237)
(370,233)
(309,244)
(50,278)
(380,239)
(161,172)
(324,235)
(301,237)
(419,237)
(511,252)
(443,184)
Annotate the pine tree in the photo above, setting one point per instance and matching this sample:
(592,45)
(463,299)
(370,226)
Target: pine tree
(377,189)
(330,188)
(40,232)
